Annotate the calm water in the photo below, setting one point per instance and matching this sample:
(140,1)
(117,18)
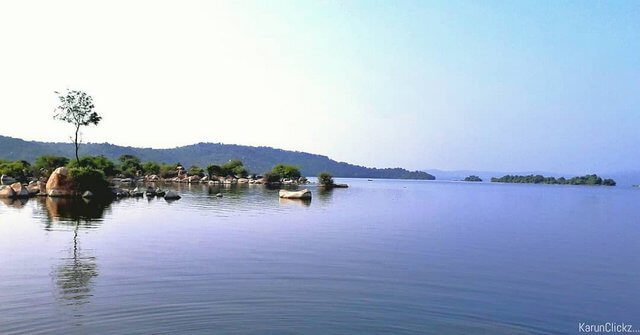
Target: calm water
(402,257)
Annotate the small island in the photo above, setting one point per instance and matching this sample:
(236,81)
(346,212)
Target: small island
(473,178)
(591,179)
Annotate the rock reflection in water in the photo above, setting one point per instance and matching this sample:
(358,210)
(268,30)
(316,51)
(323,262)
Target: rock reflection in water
(14,203)
(74,209)
(295,202)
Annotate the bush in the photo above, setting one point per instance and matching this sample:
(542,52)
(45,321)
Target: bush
(46,164)
(101,163)
(234,168)
(168,171)
(214,170)
(271,177)
(129,165)
(195,170)
(19,170)
(151,168)
(286,171)
(89,179)
(325,178)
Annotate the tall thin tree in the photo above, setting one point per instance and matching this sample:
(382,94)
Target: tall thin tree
(76,108)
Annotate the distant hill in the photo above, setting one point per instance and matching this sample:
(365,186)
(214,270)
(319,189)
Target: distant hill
(257,159)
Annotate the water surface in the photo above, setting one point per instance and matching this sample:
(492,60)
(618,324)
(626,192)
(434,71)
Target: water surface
(387,256)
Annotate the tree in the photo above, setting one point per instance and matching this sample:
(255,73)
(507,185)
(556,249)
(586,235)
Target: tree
(214,170)
(130,165)
(46,164)
(325,179)
(151,168)
(286,171)
(76,108)
(234,168)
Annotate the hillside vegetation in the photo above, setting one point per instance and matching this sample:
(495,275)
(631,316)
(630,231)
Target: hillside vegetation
(256,159)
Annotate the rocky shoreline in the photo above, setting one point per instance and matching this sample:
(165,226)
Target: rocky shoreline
(59,184)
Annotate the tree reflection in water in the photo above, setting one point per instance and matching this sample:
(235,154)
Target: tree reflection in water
(74,276)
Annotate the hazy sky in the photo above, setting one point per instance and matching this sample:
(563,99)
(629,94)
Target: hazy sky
(512,85)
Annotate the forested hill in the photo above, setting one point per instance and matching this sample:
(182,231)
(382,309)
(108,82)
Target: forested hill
(256,159)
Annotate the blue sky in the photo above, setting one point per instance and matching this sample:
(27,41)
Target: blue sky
(487,85)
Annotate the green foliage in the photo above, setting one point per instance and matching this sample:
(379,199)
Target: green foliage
(195,170)
(325,179)
(271,177)
(76,108)
(129,165)
(214,170)
(89,179)
(473,178)
(234,168)
(101,163)
(151,168)
(590,179)
(19,170)
(286,171)
(46,164)
(168,171)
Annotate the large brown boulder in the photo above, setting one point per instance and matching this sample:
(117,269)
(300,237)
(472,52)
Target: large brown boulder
(7,192)
(20,190)
(60,184)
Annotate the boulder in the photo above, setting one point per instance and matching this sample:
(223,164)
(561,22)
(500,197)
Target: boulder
(219,195)
(204,179)
(6,180)
(160,192)
(60,184)
(87,195)
(7,192)
(137,192)
(193,179)
(20,190)
(153,178)
(243,181)
(302,194)
(150,192)
(36,188)
(119,193)
(171,195)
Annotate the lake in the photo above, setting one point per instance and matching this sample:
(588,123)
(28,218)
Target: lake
(383,256)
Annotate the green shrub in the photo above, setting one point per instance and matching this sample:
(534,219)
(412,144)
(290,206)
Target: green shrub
(271,177)
(89,179)
(151,168)
(19,170)
(214,170)
(101,163)
(325,178)
(286,171)
(46,164)
(234,168)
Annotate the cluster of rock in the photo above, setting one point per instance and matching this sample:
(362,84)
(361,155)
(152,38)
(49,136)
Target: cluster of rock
(183,178)
(59,184)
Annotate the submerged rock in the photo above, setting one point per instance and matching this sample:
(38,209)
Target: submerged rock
(7,192)
(20,190)
(171,195)
(303,194)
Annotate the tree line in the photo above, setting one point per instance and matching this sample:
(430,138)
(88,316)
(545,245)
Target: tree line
(590,179)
